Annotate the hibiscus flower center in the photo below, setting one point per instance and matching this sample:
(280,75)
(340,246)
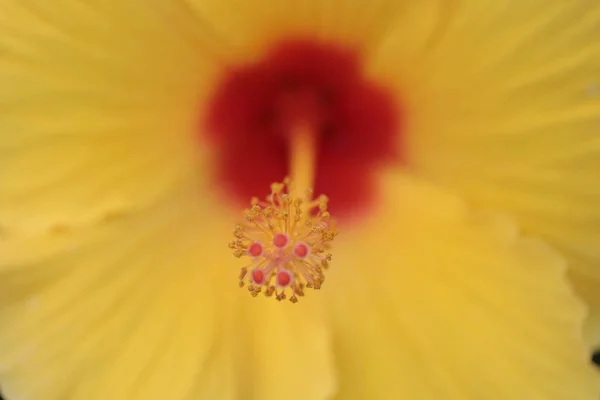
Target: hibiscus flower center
(303,86)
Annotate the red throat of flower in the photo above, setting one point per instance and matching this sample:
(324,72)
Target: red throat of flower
(303,99)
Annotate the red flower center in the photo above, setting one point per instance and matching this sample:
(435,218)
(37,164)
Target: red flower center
(256,107)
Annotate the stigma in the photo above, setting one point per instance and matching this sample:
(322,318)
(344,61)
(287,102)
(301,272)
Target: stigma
(286,240)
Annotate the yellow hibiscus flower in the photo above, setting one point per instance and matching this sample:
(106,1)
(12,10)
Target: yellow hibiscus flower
(456,142)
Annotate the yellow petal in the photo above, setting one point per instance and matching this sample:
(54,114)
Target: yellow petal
(433,301)
(503,105)
(147,305)
(100,109)
(256,24)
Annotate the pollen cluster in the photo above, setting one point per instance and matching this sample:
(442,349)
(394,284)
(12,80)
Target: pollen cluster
(287,239)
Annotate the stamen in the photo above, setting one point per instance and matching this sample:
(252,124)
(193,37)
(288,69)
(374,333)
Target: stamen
(287,239)
(287,234)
